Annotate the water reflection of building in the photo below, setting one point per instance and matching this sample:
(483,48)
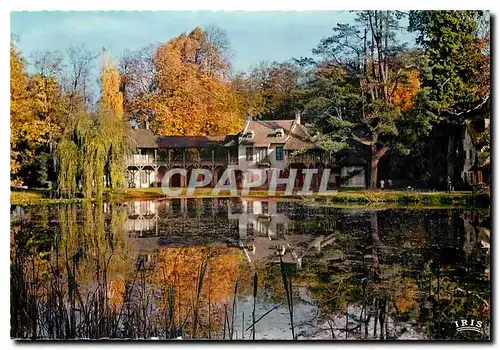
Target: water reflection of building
(142,218)
(261,227)
(263,232)
(259,218)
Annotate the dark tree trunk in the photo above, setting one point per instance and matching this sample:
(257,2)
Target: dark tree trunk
(374,173)
(376,154)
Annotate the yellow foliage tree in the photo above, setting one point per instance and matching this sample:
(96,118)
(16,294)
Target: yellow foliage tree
(111,122)
(404,94)
(36,103)
(111,96)
(19,109)
(194,99)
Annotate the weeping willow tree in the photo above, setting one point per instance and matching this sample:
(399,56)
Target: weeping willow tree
(112,122)
(94,144)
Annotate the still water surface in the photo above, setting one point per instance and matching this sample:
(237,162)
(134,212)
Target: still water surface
(247,269)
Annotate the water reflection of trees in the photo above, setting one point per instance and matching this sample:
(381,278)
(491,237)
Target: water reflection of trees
(177,278)
(67,280)
(76,273)
(392,276)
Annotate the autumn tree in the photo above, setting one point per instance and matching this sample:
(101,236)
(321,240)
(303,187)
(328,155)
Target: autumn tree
(373,87)
(20,115)
(194,98)
(37,104)
(112,124)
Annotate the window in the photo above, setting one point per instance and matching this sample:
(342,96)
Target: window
(265,207)
(261,154)
(250,228)
(279,153)
(249,153)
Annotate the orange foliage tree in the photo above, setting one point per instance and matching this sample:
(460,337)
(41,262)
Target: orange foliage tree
(404,95)
(195,99)
(182,87)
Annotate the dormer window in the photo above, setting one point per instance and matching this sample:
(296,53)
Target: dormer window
(249,135)
(279,132)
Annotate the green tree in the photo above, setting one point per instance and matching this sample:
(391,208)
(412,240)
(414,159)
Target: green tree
(456,81)
(271,90)
(370,86)
(457,74)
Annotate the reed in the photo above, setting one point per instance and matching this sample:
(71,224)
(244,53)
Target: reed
(62,287)
(255,284)
(287,285)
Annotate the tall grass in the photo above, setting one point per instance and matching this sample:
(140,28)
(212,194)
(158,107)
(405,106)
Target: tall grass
(62,287)
(287,285)
(255,284)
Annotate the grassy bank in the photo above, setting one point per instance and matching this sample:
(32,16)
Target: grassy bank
(411,197)
(463,198)
(38,197)
(32,197)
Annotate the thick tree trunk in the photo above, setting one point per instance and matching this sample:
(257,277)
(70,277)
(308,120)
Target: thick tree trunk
(376,155)
(374,173)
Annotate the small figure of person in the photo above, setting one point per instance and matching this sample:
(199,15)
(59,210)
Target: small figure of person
(389,183)
(382,183)
(449,187)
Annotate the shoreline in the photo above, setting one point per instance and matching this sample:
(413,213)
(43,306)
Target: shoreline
(346,197)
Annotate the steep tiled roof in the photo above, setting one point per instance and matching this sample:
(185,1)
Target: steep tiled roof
(299,138)
(295,136)
(265,131)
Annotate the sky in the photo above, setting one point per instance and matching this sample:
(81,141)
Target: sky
(253,36)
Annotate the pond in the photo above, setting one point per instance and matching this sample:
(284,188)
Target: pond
(248,269)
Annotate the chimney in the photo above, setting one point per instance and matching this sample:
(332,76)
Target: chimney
(297,117)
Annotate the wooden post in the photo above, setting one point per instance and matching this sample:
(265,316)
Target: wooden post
(214,177)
